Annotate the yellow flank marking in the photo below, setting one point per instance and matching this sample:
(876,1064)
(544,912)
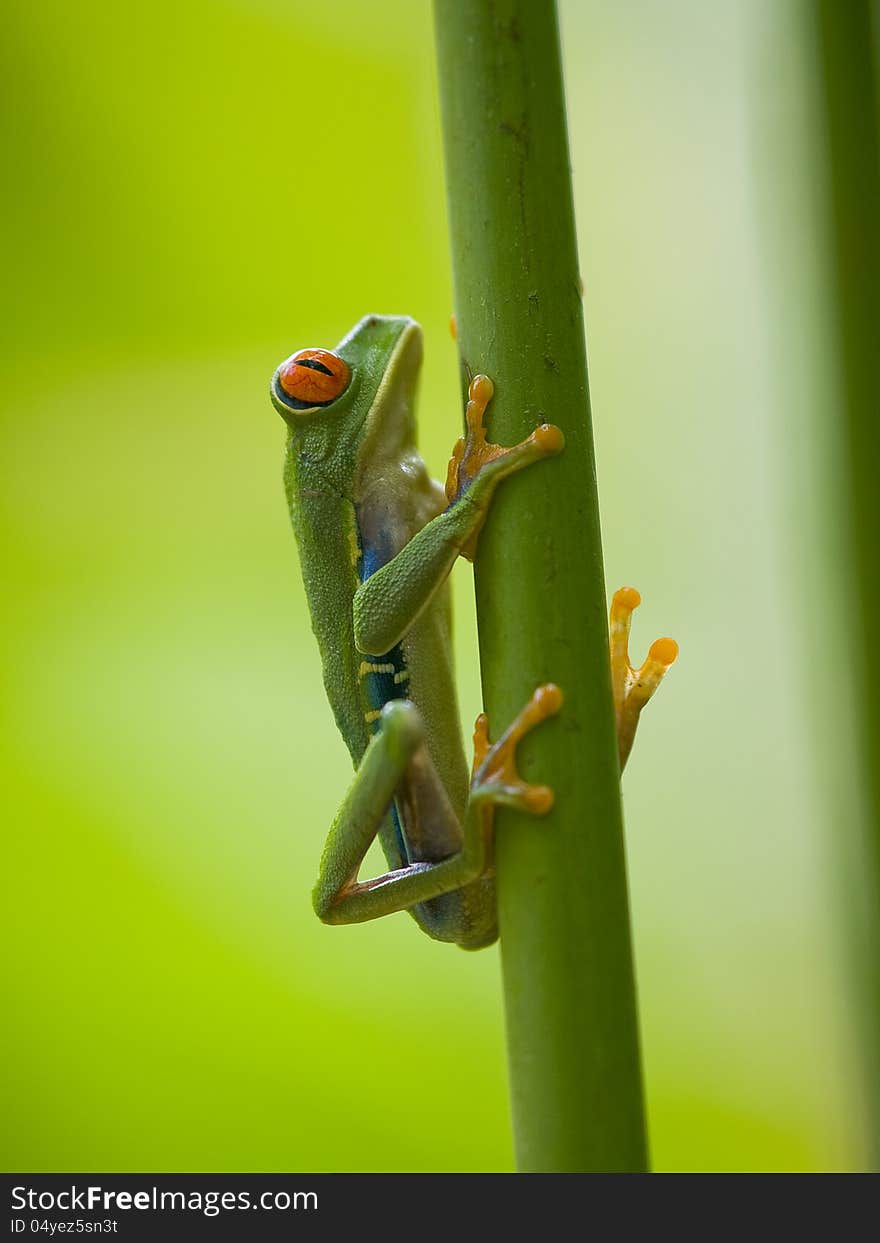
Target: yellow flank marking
(353,545)
(403,676)
(372,716)
(371,666)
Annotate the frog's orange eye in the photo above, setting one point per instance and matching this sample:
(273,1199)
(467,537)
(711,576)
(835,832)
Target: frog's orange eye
(313,378)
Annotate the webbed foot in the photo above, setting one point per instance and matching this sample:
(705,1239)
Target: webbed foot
(633,687)
(474,456)
(495,775)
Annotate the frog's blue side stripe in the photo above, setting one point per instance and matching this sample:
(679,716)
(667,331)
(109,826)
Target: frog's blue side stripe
(390,683)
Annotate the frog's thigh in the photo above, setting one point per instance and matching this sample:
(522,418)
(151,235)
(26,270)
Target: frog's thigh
(366,804)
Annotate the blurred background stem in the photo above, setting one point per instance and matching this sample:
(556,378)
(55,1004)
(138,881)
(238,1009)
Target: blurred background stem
(565,938)
(847,36)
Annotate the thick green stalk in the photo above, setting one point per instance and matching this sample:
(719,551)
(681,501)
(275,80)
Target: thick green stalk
(848,40)
(565,938)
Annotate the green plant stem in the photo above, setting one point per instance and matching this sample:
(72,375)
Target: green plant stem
(848,39)
(572,1031)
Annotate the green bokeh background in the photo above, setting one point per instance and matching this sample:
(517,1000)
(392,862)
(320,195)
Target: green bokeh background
(195,189)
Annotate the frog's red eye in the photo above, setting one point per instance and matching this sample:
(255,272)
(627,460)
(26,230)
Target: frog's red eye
(314,377)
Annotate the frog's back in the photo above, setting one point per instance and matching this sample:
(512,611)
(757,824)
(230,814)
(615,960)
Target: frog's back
(326,534)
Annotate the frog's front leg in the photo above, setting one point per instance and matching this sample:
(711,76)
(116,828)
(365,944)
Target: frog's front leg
(340,898)
(387,603)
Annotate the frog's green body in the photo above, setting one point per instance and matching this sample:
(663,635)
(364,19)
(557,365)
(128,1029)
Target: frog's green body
(377,538)
(359,493)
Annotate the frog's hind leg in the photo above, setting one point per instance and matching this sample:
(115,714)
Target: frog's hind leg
(395,772)
(453,894)
(470,915)
(365,808)
(434,832)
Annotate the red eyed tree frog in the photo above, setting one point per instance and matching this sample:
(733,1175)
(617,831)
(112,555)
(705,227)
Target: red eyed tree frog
(377,539)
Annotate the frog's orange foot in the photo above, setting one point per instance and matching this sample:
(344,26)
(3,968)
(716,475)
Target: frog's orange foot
(473,452)
(495,775)
(633,687)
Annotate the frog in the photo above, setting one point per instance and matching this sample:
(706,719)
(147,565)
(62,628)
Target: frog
(377,538)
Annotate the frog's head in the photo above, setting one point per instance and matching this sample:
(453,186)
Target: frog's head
(339,403)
